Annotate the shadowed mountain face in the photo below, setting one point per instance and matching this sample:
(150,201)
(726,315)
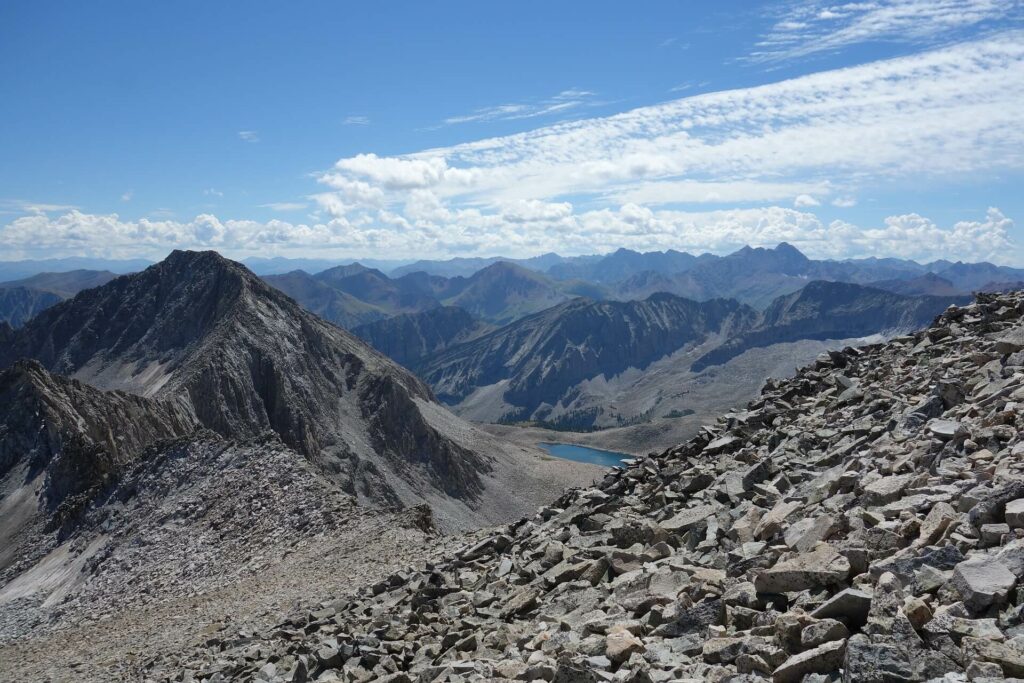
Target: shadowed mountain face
(333,305)
(409,337)
(65,284)
(504,292)
(61,443)
(498,294)
(243,358)
(928,284)
(833,310)
(18,305)
(623,264)
(539,358)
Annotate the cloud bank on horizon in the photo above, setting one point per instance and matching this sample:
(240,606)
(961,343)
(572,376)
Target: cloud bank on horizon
(709,172)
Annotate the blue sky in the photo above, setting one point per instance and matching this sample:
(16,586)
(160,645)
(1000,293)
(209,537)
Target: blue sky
(457,128)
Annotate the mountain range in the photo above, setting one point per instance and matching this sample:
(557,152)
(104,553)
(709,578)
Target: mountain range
(207,335)
(550,367)
(502,291)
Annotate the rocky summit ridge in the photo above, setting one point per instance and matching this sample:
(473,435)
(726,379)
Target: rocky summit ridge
(862,521)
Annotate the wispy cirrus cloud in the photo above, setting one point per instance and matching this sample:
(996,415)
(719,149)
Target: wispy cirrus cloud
(947,112)
(355,120)
(26,206)
(285,206)
(248,136)
(805,27)
(566,100)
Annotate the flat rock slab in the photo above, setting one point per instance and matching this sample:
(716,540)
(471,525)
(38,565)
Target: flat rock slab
(823,566)
(823,659)
(982,582)
(687,519)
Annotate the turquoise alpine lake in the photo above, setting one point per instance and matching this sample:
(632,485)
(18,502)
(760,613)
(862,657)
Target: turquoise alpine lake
(594,456)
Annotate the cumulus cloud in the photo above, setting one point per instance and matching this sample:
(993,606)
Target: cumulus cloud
(427,228)
(803,201)
(807,28)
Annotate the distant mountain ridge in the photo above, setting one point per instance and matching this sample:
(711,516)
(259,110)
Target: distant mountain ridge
(18,305)
(524,370)
(409,337)
(833,310)
(539,358)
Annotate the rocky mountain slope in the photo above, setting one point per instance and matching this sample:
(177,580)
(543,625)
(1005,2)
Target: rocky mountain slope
(864,519)
(409,337)
(244,358)
(124,523)
(61,442)
(18,305)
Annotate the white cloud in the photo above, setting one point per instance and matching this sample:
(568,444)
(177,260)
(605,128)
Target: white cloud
(522,228)
(943,113)
(563,101)
(285,206)
(635,179)
(390,173)
(716,192)
(807,28)
(25,206)
(212,192)
(248,136)
(127,196)
(356,121)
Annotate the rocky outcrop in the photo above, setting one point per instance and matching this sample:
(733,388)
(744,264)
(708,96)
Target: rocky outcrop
(62,444)
(861,519)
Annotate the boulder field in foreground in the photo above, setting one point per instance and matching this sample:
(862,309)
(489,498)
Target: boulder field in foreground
(862,521)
